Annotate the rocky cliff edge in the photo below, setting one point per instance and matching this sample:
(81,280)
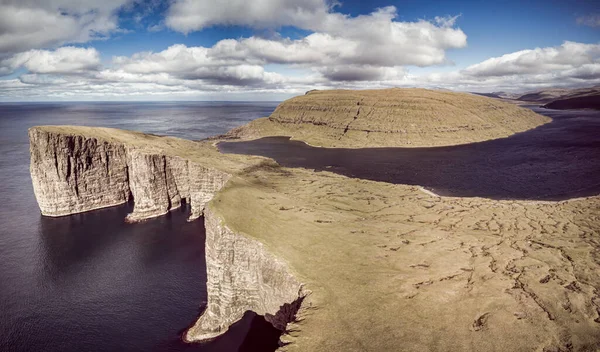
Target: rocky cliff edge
(78,169)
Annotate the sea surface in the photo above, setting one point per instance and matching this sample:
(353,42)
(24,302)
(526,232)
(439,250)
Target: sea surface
(556,161)
(91,282)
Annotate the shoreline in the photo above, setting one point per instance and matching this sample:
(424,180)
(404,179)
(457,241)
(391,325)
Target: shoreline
(368,251)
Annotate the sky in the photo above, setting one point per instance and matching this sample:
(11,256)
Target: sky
(117,50)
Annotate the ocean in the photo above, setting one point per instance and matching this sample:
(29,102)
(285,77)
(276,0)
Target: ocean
(91,282)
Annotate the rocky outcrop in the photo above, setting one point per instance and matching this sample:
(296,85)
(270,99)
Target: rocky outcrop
(392,118)
(160,183)
(242,275)
(73,173)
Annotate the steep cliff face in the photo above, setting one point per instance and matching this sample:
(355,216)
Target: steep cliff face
(160,183)
(74,173)
(242,275)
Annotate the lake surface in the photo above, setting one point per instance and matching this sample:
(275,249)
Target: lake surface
(558,160)
(91,282)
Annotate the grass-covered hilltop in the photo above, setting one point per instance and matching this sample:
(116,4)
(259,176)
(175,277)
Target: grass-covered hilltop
(388,267)
(392,118)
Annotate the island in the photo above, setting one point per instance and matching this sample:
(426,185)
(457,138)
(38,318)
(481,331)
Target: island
(346,264)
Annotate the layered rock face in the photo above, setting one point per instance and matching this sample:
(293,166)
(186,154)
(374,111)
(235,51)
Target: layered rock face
(242,276)
(160,183)
(73,173)
(392,118)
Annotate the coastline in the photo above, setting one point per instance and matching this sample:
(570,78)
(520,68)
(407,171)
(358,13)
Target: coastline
(159,175)
(459,269)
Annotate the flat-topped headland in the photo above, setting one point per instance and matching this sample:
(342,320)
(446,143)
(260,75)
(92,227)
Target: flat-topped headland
(389,266)
(391,118)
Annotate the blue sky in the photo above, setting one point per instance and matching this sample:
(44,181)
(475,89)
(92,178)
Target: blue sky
(493,28)
(273,49)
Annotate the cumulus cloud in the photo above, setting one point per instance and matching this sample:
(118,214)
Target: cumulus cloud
(241,62)
(32,24)
(339,49)
(197,63)
(65,60)
(372,39)
(568,65)
(342,48)
(191,15)
(568,56)
(589,20)
(245,67)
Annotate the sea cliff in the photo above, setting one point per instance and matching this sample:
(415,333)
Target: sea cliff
(391,267)
(73,173)
(75,170)
(242,275)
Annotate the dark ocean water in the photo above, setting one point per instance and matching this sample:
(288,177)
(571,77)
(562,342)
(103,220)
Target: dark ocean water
(91,282)
(555,161)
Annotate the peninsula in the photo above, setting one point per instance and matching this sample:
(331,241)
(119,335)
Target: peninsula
(345,264)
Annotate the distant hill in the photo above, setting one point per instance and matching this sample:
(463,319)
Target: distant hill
(391,118)
(543,96)
(580,98)
(582,102)
(500,95)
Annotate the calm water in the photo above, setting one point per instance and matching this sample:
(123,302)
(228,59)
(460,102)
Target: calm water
(558,160)
(90,282)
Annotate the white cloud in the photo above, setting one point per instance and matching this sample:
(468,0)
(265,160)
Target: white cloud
(240,62)
(197,63)
(339,50)
(589,20)
(65,60)
(30,24)
(568,56)
(372,39)
(368,47)
(248,68)
(446,21)
(191,15)
(568,65)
